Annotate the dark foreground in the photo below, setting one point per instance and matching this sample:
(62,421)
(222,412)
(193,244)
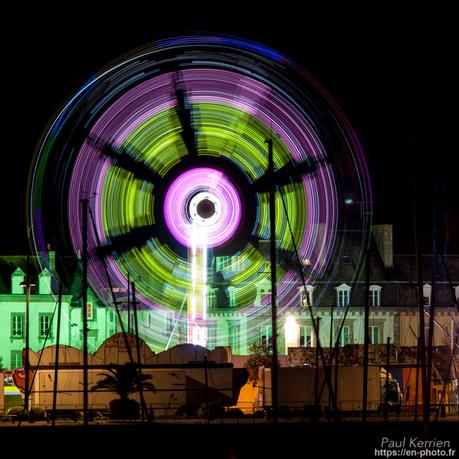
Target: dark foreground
(235,441)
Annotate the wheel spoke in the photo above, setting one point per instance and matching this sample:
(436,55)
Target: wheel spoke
(185,115)
(137,237)
(123,158)
(287,174)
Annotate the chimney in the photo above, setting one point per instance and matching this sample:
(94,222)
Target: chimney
(51,258)
(384,242)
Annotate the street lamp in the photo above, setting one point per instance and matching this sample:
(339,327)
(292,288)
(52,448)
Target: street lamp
(27,285)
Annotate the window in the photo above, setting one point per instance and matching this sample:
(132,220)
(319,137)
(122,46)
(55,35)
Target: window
(16,278)
(17,325)
(44,323)
(234,338)
(306,296)
(90,311)
(306,336)
(375,295)
(263,297)
(169,324)
(374,334)
(343,293)
(233,263)
(266,335)
(345,335)
(16,359)
(44,282)
(211,336)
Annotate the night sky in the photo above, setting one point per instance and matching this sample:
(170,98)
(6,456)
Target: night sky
(390,70)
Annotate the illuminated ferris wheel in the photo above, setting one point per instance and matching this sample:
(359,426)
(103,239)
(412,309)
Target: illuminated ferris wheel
(169,145)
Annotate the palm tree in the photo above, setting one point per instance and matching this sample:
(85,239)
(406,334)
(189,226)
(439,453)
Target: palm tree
(123,380)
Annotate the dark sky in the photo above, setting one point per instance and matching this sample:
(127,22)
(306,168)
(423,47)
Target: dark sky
(390,70)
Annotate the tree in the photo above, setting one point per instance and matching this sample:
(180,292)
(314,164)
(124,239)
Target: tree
(260,356)
(123,380)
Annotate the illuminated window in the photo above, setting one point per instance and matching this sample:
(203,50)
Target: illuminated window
(16,360)
(306,336)
(211,336)
(44,323)
(345,335)
(266,335)
(234,338)
(374,334)
(169,323)
(343,294)
(375,295)
(17,325)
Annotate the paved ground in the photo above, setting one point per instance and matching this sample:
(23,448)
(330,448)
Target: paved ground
(217,440)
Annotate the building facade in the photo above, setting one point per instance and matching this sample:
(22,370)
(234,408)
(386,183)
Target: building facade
(338,302)
(42,305)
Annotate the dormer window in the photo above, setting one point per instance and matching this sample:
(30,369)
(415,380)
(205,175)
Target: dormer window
(16,279)
(263,291)
(375,295)
(306,295)
(44,282)
(343,295)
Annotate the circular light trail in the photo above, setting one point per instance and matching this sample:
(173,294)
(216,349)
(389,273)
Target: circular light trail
(172,137)
(190,190)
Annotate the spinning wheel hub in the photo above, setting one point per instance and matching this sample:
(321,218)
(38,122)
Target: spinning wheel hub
(205,208)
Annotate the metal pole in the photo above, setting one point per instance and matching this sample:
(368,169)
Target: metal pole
(27,339)
(56,363)
(432,300)
(143,409)
(418,353)
(316,374)
(128,305)
(272,222)
(336,406)
(366,337)
(206,380)
(331,355)
(420,291)
(84,206)
(386,395)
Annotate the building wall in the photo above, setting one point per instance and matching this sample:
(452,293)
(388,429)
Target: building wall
(444,333)
(101,326)
(39,304)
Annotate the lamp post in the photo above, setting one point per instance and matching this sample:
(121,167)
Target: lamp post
(27,284)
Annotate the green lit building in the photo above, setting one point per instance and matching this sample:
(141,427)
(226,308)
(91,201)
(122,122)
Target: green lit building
(43,302)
